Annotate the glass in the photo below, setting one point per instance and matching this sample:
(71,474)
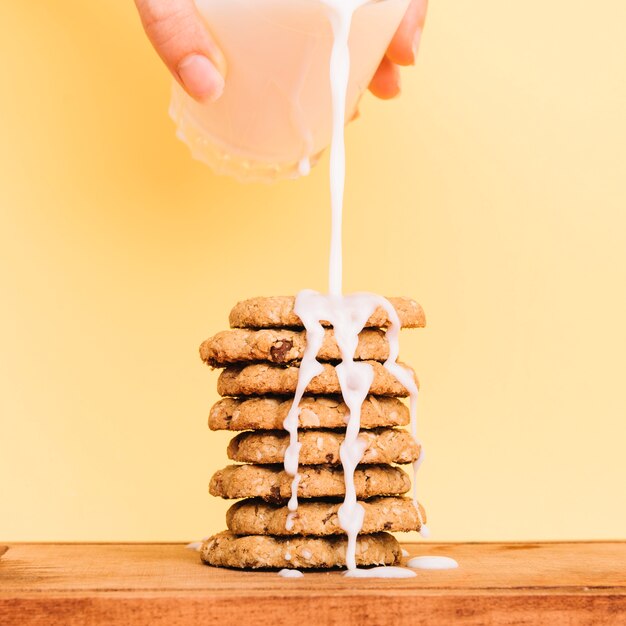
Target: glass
(274,116)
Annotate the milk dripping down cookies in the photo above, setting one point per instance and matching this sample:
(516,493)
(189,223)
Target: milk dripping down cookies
(291,516)
(314,384)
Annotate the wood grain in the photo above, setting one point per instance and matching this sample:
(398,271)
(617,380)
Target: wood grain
(131,584)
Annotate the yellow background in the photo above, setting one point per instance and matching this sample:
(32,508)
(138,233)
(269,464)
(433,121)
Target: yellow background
(493,191)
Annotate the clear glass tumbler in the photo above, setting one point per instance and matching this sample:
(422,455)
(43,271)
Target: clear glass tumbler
(274,116)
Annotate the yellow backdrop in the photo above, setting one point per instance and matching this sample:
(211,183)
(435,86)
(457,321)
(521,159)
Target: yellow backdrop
(493,191)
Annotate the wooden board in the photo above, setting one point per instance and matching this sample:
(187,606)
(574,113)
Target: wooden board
(158,584)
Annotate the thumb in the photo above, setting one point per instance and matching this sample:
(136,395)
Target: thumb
(181,39)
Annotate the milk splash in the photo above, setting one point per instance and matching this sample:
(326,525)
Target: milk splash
(290,573)
(432,562)
(381,572)
(348,315)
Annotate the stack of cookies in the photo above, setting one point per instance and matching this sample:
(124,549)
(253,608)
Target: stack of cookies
(260,355)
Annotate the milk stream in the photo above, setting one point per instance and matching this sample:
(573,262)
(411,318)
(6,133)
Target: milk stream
(340,15)
(348,315)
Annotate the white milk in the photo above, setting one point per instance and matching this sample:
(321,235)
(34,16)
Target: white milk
(274,117)
(348,314)
(290,573)
(432,562)
(381,572)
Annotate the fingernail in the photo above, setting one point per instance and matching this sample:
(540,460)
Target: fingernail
(416,42)
(200,78)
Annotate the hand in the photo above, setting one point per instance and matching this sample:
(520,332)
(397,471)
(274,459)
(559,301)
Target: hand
(402,51)
(181,39)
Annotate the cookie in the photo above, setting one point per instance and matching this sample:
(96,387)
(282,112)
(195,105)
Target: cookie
(273,484)
(381,445)
(277,312)
(261,379)
(256,517)
(284,346)
(267,413)
(259,551)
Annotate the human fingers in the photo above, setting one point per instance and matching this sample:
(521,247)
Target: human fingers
(183,42)
(386,81)
(403,47)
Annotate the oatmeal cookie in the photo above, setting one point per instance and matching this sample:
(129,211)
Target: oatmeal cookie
(259,551)
(282,346)
(277,312)
(381,445)
(261,379)
(273,484)
(319,517)
(269,413)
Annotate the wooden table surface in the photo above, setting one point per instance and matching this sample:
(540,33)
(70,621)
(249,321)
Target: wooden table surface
(496,583)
